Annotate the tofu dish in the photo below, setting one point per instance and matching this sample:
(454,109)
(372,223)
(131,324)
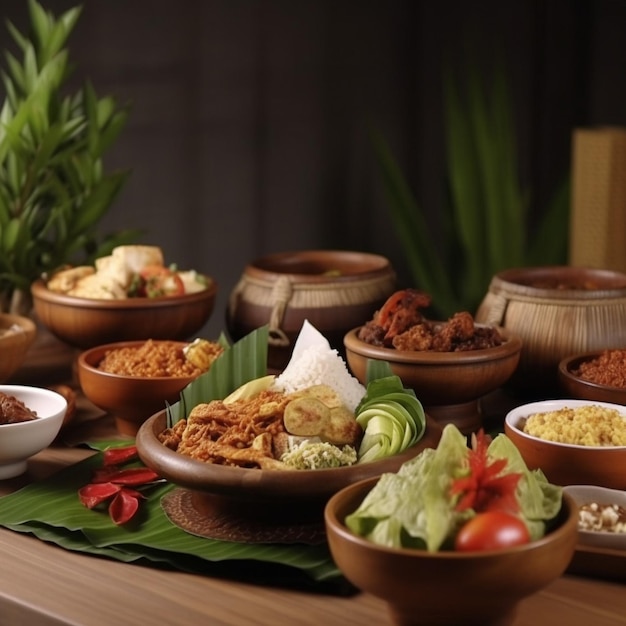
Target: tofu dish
(130,271)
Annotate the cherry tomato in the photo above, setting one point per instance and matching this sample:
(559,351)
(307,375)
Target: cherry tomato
(490,531)
(157,280)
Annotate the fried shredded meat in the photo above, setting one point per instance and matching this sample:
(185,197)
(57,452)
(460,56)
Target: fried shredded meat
(13,410)
(239,434)
(400,324)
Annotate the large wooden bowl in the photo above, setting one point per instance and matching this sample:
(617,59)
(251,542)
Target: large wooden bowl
(447,588)
(566,464)
(448,384)
(283,490)
(86,323)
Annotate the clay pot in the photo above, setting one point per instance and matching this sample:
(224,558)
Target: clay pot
(334,290)
(556,311)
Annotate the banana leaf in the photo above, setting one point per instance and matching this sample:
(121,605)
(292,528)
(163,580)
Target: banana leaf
(51,511)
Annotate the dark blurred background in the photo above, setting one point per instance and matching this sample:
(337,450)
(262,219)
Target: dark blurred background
(248,132)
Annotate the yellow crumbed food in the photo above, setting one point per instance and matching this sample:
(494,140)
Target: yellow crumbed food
(590,425)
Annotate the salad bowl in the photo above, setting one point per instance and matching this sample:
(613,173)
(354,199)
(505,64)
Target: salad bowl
(416,584)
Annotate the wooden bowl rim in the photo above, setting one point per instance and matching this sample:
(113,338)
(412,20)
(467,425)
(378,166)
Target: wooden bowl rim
(42,293)
(338,527)
(511,346)
(86,358)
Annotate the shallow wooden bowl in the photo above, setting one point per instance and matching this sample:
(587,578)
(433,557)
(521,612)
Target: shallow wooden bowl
(448,384)
(86,323)
(130,399)
(447,588)
(284,489)
(576,387)
(17,334)
(565,464)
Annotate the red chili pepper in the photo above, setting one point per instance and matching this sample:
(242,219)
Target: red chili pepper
(124,506)
(117,456)
(94,494)
(128,476)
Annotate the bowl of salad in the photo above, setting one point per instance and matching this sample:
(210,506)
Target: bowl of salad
(283,443)
(130,295)
(474,520)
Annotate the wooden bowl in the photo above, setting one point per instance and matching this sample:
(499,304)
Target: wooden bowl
(448,384)
(86,323)
(576,387)
(556,311)
(20,441)
(17,334)
(447,588)
(130,399)
(281,493)
(565,464)
(333,289)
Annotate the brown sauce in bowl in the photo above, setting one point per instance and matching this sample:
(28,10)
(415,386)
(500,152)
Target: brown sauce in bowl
(14,411)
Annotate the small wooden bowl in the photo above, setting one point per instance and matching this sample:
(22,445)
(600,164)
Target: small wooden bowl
(576,387)
(447,588)
(130,399)
(565,464)
(17,334)
(448,384)
(86,323)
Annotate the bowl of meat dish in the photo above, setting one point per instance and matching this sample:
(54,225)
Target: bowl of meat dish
(280,445)
(17,334)
(411,537)
(601,516)
(574,442)
(128,295)
(557,311)
(30,419)
(598,375)
(449,364)
(132,380)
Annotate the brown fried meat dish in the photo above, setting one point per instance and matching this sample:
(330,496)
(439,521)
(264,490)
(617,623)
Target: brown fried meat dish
(400,324)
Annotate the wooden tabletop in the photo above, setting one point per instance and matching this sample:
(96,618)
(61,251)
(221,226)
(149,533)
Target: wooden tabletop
(46,585)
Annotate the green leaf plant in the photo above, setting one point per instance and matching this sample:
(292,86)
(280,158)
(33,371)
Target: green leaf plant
(54,190)
(485,220)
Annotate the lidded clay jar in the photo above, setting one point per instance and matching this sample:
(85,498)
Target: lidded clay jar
(557,311)
(335,290)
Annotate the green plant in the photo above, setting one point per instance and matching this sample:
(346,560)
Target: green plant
(485,222)
(53,187)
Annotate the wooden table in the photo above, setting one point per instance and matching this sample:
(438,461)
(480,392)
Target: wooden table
(45,585)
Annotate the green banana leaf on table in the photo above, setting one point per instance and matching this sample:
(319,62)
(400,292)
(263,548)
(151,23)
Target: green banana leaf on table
(51,510)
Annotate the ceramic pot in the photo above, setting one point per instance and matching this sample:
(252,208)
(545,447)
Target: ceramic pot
(556,311)
(334,290)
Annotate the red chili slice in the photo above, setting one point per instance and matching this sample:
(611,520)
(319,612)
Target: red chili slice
(117,456)
(94,494)
(124,506)
(128,476)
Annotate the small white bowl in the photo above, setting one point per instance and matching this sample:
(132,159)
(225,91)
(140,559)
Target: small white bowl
(585,494)
(20,441)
